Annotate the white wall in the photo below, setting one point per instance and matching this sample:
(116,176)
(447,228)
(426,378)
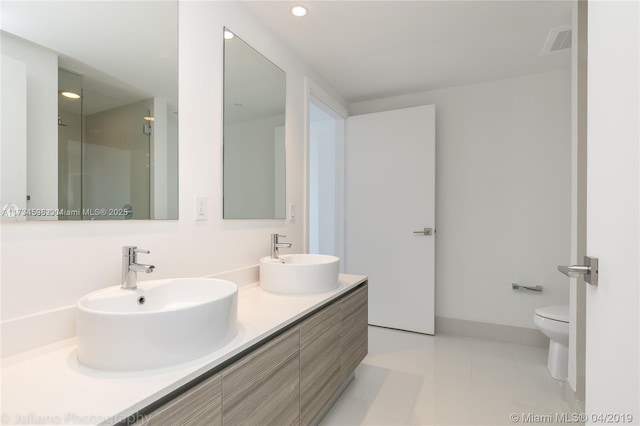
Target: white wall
(48,265)
(503,165)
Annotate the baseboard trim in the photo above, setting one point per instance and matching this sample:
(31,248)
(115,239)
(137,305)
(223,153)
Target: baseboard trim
(484,330)
(575,405)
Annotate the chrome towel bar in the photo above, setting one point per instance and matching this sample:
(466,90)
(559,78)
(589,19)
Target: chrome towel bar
(517,286)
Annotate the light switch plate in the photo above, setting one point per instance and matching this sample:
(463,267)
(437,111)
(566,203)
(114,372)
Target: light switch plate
(292,212)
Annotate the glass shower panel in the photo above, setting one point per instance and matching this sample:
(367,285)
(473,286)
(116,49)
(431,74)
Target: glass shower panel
(69,145)
(116,158)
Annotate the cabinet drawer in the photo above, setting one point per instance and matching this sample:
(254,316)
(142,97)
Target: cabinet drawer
(354,332)
(198,406)
(355,300)
(319,361)
(264,387)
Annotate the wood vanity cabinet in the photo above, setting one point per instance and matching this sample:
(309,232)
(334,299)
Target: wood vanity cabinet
(287,381)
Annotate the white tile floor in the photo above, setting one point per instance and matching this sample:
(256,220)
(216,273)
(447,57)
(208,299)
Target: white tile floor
(413,379)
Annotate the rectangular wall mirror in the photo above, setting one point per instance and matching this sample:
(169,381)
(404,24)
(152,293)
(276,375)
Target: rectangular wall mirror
(254,133)
(92,121)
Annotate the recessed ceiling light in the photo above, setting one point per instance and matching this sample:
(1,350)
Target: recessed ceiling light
(299,11)
(228,35)
(70,95)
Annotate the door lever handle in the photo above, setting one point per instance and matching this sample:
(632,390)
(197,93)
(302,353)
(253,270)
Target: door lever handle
(589,270)
(425,231)
(574,271)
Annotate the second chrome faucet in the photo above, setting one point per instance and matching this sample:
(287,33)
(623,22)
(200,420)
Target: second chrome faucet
(131,267)
(276,244)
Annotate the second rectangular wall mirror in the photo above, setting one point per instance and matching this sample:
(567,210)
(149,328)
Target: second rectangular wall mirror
(254,133)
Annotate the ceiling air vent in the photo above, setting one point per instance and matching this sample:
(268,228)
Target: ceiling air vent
(558,40)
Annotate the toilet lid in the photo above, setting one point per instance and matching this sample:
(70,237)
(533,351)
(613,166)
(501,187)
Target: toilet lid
(555,312)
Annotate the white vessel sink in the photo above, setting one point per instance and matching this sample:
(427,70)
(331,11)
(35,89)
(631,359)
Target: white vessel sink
(299,273)
(161,323)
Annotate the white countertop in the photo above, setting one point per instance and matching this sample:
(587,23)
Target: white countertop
(47,386)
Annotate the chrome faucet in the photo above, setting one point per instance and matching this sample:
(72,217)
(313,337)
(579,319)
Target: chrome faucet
(130,266)
(275,244)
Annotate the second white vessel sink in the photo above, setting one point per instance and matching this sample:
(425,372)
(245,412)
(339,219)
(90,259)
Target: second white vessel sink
(160,323)
(299,273)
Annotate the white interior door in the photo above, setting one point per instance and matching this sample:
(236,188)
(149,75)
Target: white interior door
(390,195)
(613,214)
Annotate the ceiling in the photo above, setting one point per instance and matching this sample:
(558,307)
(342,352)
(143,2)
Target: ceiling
(373,49)
(363,49)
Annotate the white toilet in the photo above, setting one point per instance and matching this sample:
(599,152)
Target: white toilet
(553,321)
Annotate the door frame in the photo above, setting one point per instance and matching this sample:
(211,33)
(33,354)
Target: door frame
(578,292)
(314,93)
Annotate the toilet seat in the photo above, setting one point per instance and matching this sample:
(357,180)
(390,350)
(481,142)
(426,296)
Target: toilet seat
(558,313)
